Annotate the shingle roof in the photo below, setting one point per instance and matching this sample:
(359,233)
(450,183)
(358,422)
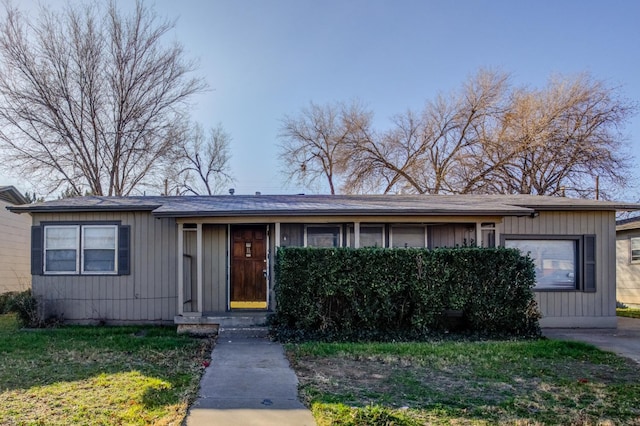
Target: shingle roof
(628,224)
(261,205)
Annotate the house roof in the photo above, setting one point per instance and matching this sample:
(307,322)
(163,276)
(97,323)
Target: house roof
(11,195)
(313,205)
(628,224)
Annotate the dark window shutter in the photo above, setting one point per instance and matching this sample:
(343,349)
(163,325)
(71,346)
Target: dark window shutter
(590,263)
(124,250)
(36,250)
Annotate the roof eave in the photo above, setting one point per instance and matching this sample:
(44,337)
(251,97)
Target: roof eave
(288,213)
(82,209)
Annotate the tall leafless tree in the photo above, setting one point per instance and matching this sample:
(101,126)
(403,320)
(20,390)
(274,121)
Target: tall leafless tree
(486,138)
(428,152)
(562,138)
(313,143)
(204,167)
(91,98)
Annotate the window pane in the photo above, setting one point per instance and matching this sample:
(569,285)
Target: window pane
(99,237)
(371,236)
(635,249)
(408,236)
(323,236)
(61,237)
(99,260)
(60,261)
(555,261)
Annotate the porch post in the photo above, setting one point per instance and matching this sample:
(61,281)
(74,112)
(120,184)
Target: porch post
(356,234)
(276,235)
(199,264)
(180,269)
(478,234)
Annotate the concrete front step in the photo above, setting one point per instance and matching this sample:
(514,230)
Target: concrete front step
(242,332)
(213,324)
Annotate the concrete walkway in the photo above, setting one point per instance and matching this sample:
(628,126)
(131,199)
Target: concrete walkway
(249,382)
(624,341)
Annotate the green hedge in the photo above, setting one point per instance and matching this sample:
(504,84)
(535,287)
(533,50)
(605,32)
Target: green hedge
(391,294)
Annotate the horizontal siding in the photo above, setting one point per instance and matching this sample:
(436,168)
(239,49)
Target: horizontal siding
(627,273)
(576,308)
(15,238)
(148,294)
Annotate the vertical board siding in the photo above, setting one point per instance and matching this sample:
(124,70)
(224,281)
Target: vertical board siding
(571,308)
(215,268)
(294,234)
(451,235)
(148,294)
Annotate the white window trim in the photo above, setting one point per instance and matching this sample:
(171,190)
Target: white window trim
(46,229)
(326,225)
(417,225)
(115,250)
(365,225)
(79,247)
(631,259)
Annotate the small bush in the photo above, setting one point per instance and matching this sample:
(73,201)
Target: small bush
(5,301)
(25,306)
(391,294)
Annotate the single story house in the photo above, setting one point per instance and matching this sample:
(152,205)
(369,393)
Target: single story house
(15,274)
(166,259)
(628,261)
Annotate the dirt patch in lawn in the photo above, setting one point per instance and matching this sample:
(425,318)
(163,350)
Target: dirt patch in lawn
(539,390)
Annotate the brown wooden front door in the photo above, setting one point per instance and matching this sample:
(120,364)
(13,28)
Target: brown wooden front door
(248,267)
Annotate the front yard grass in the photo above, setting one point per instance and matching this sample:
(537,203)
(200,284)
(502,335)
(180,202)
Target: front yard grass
(475,383)
(628,312)
(97,375)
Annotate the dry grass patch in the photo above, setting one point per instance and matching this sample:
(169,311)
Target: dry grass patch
(97,375)
(527,383)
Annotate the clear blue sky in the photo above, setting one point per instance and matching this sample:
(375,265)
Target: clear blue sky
(267,58)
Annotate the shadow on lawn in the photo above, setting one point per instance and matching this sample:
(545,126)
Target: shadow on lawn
(73,357)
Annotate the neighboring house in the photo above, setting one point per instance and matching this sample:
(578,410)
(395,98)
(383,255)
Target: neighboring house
(15,274)
(628,261)
(164,259)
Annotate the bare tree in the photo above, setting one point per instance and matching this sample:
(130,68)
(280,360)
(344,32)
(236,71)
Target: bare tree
(313,143)
(91,99)
(204,169)
(431,152)
(559,140)
(484,138)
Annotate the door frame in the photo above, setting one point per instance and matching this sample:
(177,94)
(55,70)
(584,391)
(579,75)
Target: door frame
(249,305)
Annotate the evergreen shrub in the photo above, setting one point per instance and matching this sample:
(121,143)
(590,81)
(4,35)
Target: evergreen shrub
(400,294)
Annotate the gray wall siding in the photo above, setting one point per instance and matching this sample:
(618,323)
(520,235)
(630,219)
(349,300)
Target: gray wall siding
(576,308)
(627,273)
(148,294)
(292,235)
(15,237)
(451,235)
(214,288)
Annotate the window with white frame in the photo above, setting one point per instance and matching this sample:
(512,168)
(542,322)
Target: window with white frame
(634,254)
(61,249)
(323,235)
(488,233)
(405,236)
(84,249)
(99,244)
(370,236)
